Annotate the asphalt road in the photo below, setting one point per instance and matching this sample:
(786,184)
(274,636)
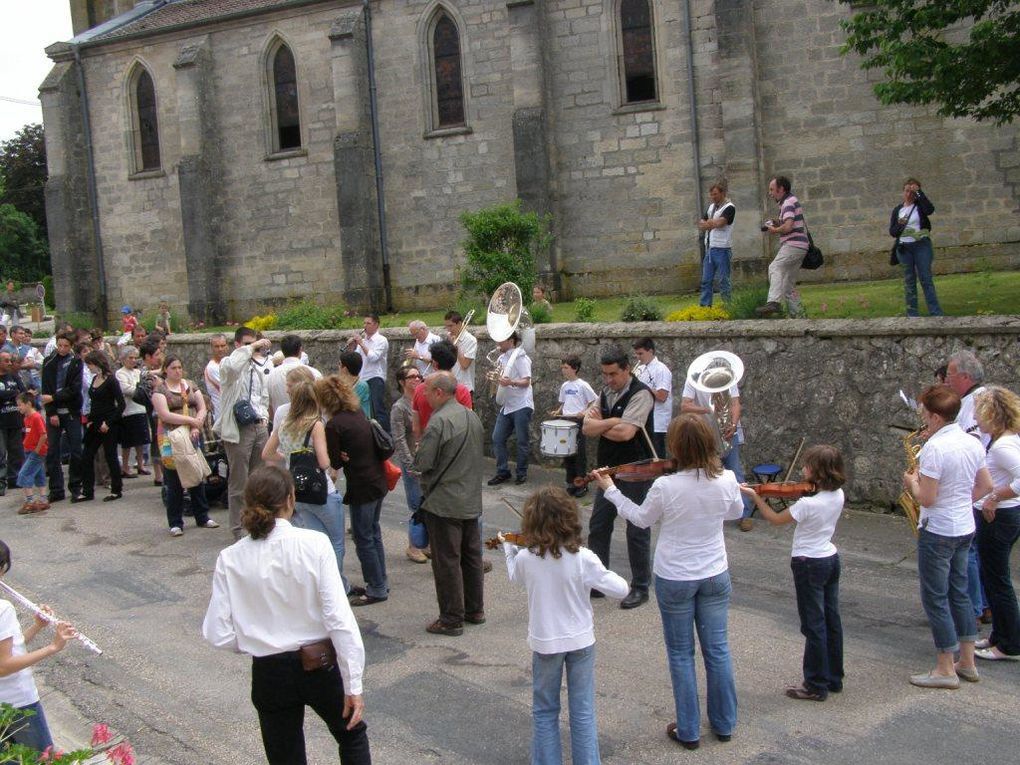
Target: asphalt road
(114,571)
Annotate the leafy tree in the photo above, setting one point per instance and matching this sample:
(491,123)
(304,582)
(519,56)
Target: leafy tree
(23,170)
(501,246)
(963,56)
(23,254)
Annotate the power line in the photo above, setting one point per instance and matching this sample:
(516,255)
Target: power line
(21,101)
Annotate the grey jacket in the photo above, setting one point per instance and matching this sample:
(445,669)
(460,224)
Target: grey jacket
(449,459)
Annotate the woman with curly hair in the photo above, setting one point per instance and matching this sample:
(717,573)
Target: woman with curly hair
(692,578)
(351,446)
(558,574)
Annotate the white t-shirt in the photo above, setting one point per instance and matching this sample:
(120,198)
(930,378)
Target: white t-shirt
(692,509)
(422,349)
(704,400)
(467,346)
(559,607)
(517,398)
(19,688)
(576,396)
(276,382)
(953,459)
(212,386)
(658,376)
(966,419)
(1003,460)
(373,364)
(816,523)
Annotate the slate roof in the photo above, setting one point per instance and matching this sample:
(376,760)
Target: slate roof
(191,12)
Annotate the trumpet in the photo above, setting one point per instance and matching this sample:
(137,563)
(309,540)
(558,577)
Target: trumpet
(47,616)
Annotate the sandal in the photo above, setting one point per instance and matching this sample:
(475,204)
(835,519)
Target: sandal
(671,732)
(363,600)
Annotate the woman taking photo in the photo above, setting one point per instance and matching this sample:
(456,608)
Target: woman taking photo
(277,597)
(998,414)
(134,424)
(910,227)
(168,402)
(692,580)
(950,477)
(351,446)
(101,428)
(402,422)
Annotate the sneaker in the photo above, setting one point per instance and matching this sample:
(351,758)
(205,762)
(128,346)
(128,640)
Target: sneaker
(176,531)
(746,524)
(209,524)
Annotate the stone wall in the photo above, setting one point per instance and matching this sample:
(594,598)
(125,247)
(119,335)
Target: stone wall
(828,381)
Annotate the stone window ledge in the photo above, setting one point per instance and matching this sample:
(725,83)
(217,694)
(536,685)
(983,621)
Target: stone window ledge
(143,174)
(444,132)
(287,154)
(643,106)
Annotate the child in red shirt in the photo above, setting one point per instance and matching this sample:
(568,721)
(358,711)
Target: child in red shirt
(33,472)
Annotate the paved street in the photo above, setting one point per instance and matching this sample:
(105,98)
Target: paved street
(114,571)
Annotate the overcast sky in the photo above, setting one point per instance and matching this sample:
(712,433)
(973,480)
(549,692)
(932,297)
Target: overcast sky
(28,26)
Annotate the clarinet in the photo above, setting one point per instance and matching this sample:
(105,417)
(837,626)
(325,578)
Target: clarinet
(43,615)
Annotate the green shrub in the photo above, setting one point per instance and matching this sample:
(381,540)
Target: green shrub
(47,282)
(500,247)
(641,308)
(744,301)
(584,310)
(540,314)
(79,319)
(307,314)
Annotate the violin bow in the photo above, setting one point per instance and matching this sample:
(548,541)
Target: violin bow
(510,505)
(795,458)
(655,454)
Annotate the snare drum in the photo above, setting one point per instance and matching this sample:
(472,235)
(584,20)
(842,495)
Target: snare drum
(559,438)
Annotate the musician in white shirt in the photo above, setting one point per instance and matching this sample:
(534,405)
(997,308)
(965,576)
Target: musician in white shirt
(517,406)
(419,352)
(274,591)
(374,350)
(467,349)
(659,379)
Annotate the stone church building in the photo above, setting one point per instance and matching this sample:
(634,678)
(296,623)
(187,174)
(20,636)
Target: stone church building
(225,155)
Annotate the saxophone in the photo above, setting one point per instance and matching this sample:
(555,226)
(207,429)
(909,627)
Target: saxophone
(911,508)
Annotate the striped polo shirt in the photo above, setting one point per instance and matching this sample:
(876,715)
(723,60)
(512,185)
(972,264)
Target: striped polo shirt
(790,209)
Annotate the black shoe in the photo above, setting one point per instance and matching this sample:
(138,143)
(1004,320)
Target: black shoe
(55,498)
(671,732)
(580,491)
(724,737)
(496,480)
(113,496)
(597,594)
(81,498)
(634,598)
(769,309)
(521,479)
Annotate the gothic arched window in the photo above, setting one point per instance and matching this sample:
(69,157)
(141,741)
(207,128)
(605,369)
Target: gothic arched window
(637,54)
(285,117)
(144,122)
(448,80)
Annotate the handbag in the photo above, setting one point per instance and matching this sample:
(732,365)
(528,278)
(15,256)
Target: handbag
(813,258)
(392,473)
(188,461)
(894,258)
(143,392)
(244,412)
(310,485)
(384,446)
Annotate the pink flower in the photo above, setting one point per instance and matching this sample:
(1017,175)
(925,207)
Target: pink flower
(823,307)
(101,734)
(122,754)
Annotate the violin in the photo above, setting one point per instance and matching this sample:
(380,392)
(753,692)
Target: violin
(642,470)
(783,489)
(512,537)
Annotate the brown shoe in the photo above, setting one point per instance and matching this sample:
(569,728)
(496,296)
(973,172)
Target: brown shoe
(769,309)
(30,508)
(439,627)
(486,566)
(746,524)
(478,617)
(416,555)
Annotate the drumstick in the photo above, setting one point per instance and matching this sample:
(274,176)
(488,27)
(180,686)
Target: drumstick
(516,511)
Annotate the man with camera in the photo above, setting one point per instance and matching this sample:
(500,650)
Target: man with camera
(793,246)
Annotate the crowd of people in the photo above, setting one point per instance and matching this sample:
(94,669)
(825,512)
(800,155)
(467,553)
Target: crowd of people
(308,455)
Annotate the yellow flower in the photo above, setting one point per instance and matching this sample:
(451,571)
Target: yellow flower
(699,313)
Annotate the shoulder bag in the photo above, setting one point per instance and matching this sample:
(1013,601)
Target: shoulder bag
(894,258)
(310,485)
(143,391)
(244,412)
(384,446)
(188,461)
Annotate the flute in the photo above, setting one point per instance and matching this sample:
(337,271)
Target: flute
(43,615)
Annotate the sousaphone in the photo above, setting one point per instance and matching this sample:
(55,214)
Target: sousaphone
(505,315)
(715,372)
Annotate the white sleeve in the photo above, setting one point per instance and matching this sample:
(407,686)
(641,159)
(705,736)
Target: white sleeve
(512,570)
(339,621)
(563,387)
(930,462)
(1007,458)
(218,625)
(589,394)
(644,515)
(735,510)
(598,577)
(663,378)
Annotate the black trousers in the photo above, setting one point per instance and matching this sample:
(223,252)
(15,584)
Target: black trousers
(280,691)
(639,541)
(456,566)
(12,455)
(995,542)
(94,440)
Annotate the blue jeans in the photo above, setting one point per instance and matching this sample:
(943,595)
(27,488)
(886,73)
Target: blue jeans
(32,731)
(33,472)
(942,569)
(996,540)
(417,534)
(732,462)
(701,603)
(916,258)
(369,546)
(547,675)
(716,266)
(975,586)
(517,422)
(817,584)
(328,519)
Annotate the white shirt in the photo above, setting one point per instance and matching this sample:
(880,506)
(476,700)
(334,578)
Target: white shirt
(692,509)
(576,396)
(704,400)
(816,523)
(421,347)
(276,383)
(658,376)
(1003,460)
(953,459)
(279,593)
(235,372)
(721,237)
(212,385)
(51,345)
(373,363)
(467,346)
(17,689)
(966,419)
(128,380)
(517,398)
(560,616)
(913,221)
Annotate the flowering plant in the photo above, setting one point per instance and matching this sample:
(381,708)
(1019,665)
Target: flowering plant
(699,313)
(117,750)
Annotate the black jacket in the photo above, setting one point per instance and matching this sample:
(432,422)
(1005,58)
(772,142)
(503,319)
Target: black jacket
(68,397)
(10,387)
(924,209)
